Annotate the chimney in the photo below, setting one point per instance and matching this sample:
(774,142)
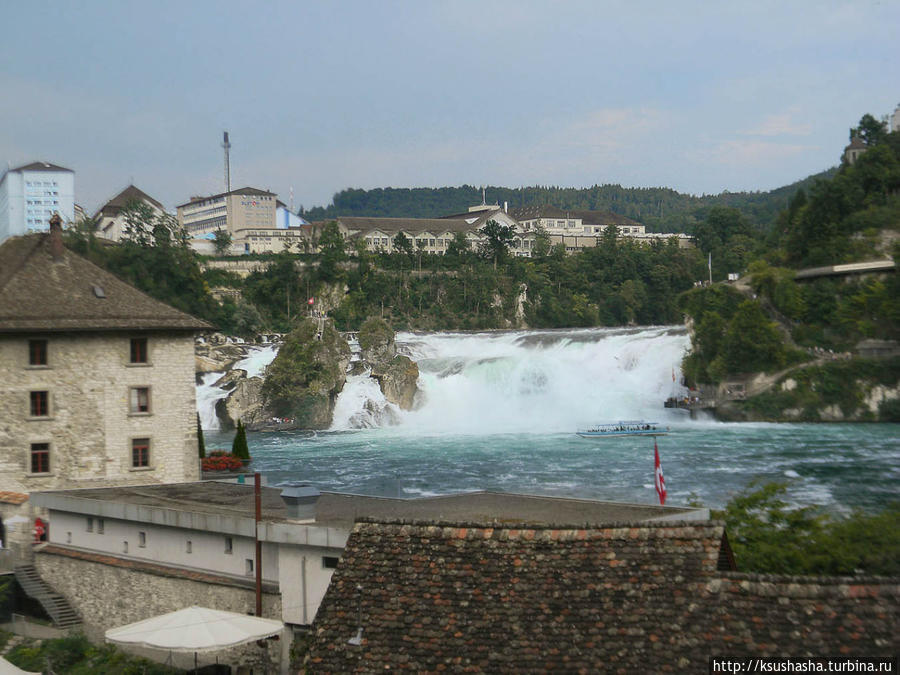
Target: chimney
(505,207)
(56,243)
(300,501)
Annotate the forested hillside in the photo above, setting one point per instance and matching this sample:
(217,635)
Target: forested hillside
(660,209)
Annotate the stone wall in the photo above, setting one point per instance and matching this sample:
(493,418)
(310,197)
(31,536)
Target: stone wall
(89,427)
(107,596)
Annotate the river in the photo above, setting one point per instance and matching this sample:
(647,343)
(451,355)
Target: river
(498,411)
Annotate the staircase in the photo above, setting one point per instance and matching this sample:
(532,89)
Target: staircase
(56,606)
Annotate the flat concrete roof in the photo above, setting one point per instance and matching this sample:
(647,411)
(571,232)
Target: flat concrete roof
(333,509)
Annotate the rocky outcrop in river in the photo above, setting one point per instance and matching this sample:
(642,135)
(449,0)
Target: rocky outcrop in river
(304,380)
(397,374)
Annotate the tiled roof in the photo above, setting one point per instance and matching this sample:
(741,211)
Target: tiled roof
(541,211)
(362,224)
(13,497)
(41,166)
(241,191)
(41,294)
(121,200)
(602,218)
(587,217)
(641,597)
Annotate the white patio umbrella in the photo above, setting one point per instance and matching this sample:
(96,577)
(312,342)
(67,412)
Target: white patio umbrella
(195,629)
(7,668)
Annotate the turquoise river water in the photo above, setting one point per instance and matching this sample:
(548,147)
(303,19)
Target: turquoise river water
(498,411)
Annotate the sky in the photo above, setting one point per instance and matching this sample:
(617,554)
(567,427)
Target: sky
(320,96)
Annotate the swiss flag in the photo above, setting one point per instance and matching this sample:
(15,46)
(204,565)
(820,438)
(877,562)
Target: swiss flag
(660,481)
(310,301)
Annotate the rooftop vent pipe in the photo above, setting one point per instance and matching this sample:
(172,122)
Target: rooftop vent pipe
(300,501)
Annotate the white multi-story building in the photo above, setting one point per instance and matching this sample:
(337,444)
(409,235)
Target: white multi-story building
(30,194)
(230,211)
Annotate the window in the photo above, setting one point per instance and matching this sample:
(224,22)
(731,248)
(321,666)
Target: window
(140,452)
(101,525)
(124,547)
(140,400)
(329,562)
(40,404)
(189,546)
(40,458)
(68,537)
(139,350)
(248,566)
(229,545)
(90,524)
(37,352)
(142,539)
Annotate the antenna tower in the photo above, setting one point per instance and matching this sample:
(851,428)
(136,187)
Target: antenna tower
(227,145)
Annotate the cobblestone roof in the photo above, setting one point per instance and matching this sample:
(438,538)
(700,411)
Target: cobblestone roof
(41,294)
(643,597)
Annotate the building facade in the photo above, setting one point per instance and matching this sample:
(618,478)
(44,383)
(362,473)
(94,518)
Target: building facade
(31,194)
(97,381)
(230,211)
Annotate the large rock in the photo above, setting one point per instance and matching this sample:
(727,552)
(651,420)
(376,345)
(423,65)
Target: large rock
(397,375)
(244,403)
(214,358)
(304,380)
(397,379)
(376,342)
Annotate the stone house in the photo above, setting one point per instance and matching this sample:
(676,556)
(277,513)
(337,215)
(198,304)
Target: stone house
(96,382)
(638,597)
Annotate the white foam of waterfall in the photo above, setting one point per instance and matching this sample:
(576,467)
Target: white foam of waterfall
(527,381)
(208,394)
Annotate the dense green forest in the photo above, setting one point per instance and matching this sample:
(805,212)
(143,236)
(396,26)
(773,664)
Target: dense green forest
(776,321)
(660,209)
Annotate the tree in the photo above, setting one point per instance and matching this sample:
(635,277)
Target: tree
(403,244)
(223,242)
(239,445)
(201,444)
(458,248)
(541,246)
(870,131)
(752,343)
(498,240)
(332,251)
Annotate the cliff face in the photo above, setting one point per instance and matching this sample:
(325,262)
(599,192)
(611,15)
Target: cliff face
(303,381)
(397,375)
(850,390)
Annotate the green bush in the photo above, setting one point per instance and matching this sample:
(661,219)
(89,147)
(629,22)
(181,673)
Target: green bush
(770,537)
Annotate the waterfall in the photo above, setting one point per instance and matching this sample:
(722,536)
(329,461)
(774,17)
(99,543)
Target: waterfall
(208,394)
(526,381)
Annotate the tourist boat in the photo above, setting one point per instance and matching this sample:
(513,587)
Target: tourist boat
(624,428)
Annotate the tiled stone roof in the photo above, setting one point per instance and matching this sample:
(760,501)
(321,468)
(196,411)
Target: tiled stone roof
(39,294)
(643,597)
(603,218)
(121,200)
